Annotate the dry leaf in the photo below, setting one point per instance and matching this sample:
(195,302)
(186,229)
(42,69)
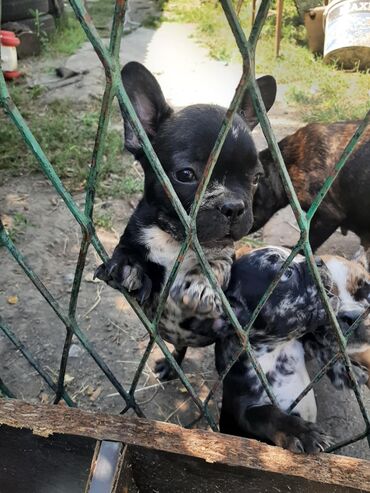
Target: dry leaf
(68,379)
(44,398)
(12,300)
(96,394)
(7,221)
(89,390)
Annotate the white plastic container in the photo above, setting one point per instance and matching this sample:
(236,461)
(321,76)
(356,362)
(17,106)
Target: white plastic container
(347,33)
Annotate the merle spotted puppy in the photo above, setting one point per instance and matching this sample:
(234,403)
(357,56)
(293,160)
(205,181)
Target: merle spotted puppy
(351,292)
(292,312)
(183,140)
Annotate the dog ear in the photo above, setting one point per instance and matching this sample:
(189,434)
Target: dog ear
(267,87)
(148,101)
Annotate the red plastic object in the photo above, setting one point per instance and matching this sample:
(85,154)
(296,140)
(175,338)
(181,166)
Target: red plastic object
(10,75)
(8,38)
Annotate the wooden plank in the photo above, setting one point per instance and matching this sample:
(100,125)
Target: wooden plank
(34,464)
(125,481)
(211,447)
(163,472)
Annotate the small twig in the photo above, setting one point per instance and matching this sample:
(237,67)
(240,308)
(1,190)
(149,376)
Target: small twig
(154,375)
(79,392)
(99,289)
(136,166)
(155,385)
(66,240)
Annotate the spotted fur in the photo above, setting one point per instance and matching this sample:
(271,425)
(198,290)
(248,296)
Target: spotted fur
(292,324)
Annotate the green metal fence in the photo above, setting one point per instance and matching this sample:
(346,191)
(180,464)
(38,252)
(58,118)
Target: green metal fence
(109,57)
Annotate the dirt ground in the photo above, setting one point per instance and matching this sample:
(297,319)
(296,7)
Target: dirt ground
(49,238)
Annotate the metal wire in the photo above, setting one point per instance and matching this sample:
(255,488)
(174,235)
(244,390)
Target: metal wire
(109,57)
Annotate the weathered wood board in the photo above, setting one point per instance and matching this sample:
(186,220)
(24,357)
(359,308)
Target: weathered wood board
(166,458)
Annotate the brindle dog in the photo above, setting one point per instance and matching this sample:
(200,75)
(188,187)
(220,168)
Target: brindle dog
(310,155)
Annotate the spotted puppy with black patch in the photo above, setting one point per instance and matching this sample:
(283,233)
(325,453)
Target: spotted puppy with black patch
(293,311)
(148,248)
(351,292)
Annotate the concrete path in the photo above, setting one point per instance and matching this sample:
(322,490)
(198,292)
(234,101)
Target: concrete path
(183,68)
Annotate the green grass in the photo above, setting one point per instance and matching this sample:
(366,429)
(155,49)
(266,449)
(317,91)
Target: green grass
(66,40)
(19,226)
(103,219)
(318,91)
(70,36)
(66,132)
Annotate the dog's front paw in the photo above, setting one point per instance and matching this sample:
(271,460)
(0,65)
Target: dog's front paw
(195,295)
(301,436)
(164,370)
(123,272)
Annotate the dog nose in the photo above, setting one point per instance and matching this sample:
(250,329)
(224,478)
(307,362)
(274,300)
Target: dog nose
(233,209)
(350,316)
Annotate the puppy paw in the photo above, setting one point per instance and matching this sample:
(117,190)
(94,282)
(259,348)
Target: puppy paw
(122,272)
(164,370)
(195,295)
(301,437)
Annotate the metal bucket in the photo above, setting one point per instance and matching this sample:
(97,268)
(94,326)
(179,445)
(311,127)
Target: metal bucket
(347,33)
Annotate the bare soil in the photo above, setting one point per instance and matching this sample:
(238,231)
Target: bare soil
(50,242)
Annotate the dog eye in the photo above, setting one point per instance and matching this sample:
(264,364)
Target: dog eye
(256,179)
(186,175)
(287,275)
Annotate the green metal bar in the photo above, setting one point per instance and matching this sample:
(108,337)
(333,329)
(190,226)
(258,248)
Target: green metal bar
(342,342)
(343,443)
(97,155)
(141,366)
(7,242)
(258,24)
(32,361)
(114,87)
(237,30)
(5,391)
(92,35)
(12,111)
(314,380)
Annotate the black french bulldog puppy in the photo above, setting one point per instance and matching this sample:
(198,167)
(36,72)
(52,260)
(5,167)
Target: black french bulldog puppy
(183,140)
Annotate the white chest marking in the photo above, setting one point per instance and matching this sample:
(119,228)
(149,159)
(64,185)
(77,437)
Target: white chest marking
(163,250)
(287,387)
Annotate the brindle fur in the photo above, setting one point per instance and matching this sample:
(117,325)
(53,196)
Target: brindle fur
(310,155)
